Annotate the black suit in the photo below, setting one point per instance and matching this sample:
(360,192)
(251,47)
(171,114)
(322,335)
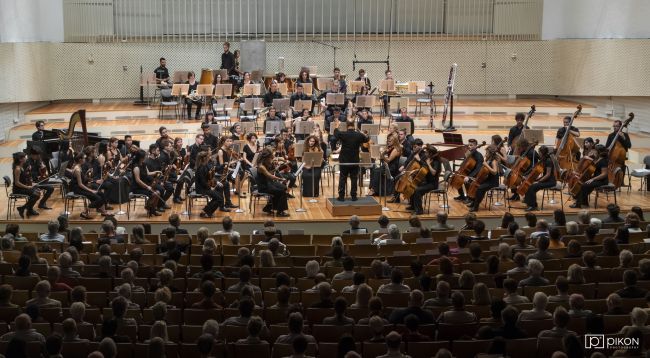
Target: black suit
(351,142)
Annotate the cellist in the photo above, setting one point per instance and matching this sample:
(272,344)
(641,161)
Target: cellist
(547,179)
(415,154)
(589,148)
(472,145)
(624,138)
(597,180)
(429,158)
(527,151)
(492,164)
(573,130)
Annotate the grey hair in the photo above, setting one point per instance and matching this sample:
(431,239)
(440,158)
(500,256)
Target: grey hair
(535,266)
(625,258)
(540,300)
(393,232)
(572,228)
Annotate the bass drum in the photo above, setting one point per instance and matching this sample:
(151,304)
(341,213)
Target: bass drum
(206,77)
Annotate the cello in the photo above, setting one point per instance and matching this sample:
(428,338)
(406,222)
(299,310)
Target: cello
(567,148)
(617,155)
(516,174)
(458,179)
(515,141)
(532,177)
(482,174)
(413,175)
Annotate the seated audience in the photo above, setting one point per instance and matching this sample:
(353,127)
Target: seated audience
(415,302)
(560,321)
(535,269)
(638,318)
(511,295)
(295,323)
(396,284)
(339,318)
(443,296)
(23,330)
(458,315)
(540,300)
(631,290)
(412,334)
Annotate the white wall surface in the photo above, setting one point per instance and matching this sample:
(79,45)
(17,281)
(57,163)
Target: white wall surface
(596,19)
(31,21)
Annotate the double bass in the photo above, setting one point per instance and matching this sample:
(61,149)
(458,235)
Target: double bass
(469,163)
(567,148)
(515,141)
(617,155)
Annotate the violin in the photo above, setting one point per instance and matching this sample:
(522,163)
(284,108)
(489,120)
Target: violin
(42,173)
(458,179)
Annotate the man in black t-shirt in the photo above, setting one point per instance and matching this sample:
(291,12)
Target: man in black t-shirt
(162,74)
(351,142)
(623,138)
(516,131)
(560,132)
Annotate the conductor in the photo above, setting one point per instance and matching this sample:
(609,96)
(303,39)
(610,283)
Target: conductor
(351,142)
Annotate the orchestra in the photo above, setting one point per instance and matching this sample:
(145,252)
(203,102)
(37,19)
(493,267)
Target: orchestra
(404,169)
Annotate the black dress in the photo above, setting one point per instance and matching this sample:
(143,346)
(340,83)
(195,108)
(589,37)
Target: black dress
(33,194)
(96,201)
(272,187)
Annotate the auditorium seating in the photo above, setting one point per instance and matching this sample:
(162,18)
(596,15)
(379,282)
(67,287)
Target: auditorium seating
(184,323)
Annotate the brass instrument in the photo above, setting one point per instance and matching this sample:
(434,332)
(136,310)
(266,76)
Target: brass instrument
(194,96)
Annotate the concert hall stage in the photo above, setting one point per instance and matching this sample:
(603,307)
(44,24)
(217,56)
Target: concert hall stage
(474,118)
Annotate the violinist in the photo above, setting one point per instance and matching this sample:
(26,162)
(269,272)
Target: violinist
(472,145)
(516,131)
(155,166)
(271,184)
(589,148)
(491,162)
(312,145)
(624,138)
(404,118)
(351,142)
(428,158)
(182,160)
(225,158)
(390,156)
(114,153)
(181,152)
(22,184)
(168,159)
(288,165)
(597,180)
(363,118)
(38,171)
(209,139)
(125,149)
(250,148)
(192,98)
(270,130)
(79,187)
(236,133)
(202,186)
(92,168)
(164,135)
(195,149)
(144,183)
(546,179)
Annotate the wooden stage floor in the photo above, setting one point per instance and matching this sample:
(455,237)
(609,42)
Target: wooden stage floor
(317,212)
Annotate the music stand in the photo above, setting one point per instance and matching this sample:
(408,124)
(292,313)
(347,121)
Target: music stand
(253,104)
(273,127)
(534,135)
(223,90)
(304,127)
(335,99)
(324,83)
(372,129)
(365,102)
(404,125)
(281,105)
(387,86)
(180,89)
(375,151)
(252,89)
(302,104)
(238,146)
(357,86)
(452,138)
(397,103)
(215,129)
(299,149)
(283,89)
(180,76)
(247,127)
(314,159)
(308,88)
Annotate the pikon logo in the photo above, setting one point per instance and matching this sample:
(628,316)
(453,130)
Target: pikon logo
(598,341)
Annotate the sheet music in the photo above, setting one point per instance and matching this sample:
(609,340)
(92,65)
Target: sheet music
(236,171)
